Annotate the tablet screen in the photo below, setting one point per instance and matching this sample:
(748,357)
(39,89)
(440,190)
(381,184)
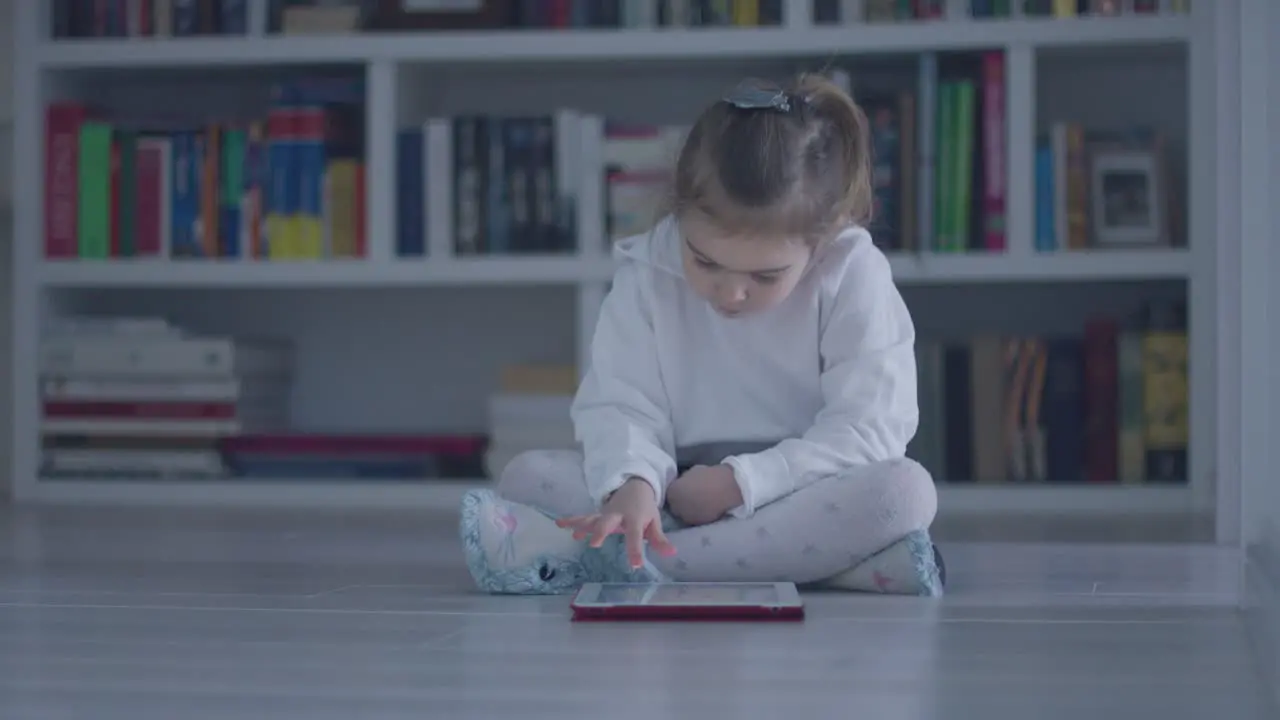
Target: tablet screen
(689,594)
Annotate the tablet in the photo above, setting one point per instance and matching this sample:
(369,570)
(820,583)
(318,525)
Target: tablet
(688,601)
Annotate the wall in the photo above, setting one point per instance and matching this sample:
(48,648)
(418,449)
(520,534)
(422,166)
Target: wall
(1260,302)
(6,230)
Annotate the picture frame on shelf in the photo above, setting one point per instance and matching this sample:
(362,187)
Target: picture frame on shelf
(319,17)
(1128,199)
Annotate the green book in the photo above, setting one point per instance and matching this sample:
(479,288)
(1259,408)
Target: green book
(964,147)
(93,211)
(234,146)
(944,172)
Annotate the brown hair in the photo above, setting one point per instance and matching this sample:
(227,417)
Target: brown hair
(800,167)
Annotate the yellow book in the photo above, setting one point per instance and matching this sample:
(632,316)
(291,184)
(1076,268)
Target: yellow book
(310,237)
(340,203)
(276,225)
(291,238)
(1064,8)
(746,13)
(1165,406)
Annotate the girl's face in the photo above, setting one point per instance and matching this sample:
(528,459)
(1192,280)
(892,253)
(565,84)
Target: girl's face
(741,275)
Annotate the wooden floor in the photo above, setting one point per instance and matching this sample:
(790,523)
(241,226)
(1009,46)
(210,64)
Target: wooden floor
(112,614)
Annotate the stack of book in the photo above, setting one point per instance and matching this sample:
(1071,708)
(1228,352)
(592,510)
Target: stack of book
(148,18)
(139,398)
(1108,404)
(638,162)
(288,186)
(492,185)
(530,411)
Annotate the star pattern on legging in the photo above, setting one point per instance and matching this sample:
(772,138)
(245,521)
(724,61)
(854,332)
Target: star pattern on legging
(831,507)
(809,549)
(763,533)
(706,541)
(742,564)
(547,486)
(682,564)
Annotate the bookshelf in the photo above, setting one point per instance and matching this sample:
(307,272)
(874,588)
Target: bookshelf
(384,342)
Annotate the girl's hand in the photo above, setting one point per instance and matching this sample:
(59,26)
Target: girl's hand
(704,494)
(631,511)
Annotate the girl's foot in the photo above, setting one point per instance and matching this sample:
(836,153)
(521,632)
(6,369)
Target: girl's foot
(911,566)
(514,549)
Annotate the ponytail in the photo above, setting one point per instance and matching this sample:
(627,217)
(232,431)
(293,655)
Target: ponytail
(848,133)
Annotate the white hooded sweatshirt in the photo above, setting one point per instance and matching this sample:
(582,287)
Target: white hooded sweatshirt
(823,382)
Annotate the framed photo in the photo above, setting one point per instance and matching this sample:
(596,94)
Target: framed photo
(1127,199)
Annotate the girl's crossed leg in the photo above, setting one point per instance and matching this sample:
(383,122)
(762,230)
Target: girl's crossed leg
(864,530)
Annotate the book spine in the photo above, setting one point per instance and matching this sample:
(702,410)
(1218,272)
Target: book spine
(1064,411)
(62,179)
(497,203)
(114,209)
(964,140)
(139,410)
(310,177)
(411,164)
(257,180)
(85,388)
(280,192)
(153,159)
(1102,412)
(909,162)
(94,209)
(994,163)
(210,159)
(468,186)
(231,194)
(126,203)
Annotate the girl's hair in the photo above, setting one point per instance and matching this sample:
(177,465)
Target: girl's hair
(783,161)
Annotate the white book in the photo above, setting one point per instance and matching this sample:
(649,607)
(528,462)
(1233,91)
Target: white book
(162,356)
(437,172)
(161,462)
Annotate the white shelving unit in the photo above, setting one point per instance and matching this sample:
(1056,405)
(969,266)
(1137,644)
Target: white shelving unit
(488,310)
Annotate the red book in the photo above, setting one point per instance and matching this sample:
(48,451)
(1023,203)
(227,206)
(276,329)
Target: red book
(144,19)
(993,146)
(113,218)
(62,178)
(141,410)
(320,444)
(1101,402)
(152,194)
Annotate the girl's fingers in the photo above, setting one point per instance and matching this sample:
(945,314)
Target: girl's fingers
(575,521)
(658,539)
(581,525)
(635,544)
(604,527)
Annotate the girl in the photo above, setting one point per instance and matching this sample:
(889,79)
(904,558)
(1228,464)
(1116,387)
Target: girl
(752,372)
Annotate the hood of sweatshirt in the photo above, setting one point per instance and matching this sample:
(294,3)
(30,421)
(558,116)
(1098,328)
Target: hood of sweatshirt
(659,248)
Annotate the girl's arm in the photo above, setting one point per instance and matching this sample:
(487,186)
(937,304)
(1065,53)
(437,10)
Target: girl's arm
(620,414)
(868,380)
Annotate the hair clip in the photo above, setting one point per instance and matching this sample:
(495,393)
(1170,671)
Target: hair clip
(754,96)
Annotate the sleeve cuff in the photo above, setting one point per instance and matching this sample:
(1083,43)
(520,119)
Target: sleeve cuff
(762,477)
(617,478)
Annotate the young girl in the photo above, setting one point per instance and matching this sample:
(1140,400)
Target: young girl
(752,374)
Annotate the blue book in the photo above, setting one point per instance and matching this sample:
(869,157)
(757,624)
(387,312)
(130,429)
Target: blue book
(1044,190)
(410,198)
